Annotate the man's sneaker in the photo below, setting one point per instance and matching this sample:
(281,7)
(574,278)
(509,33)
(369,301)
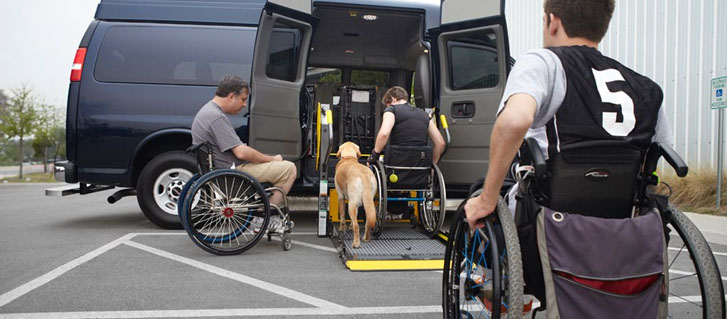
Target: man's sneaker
(256,224)
(275,224)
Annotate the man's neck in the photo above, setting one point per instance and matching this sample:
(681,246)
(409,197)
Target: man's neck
(220,102)
(577,42)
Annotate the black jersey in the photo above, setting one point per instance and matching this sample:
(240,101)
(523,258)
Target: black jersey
(411,125)
(604,100)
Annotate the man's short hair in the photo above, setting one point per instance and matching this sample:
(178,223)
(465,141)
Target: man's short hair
(396,92)
(582,18)
(231,84)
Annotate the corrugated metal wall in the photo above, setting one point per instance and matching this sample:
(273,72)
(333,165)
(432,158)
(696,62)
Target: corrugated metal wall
(680,44)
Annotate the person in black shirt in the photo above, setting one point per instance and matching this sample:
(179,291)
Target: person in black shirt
(569,92)
(406,125)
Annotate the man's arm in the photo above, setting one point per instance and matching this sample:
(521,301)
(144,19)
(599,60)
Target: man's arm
(247,153)
(437,139)
(507,136)
(387,124)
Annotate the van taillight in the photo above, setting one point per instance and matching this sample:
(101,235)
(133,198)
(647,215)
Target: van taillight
(78,65)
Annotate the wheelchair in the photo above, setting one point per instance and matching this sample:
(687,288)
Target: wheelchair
(608,191)
(225,211)
(408,174)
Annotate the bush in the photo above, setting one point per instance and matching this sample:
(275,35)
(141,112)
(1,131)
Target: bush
(697,191)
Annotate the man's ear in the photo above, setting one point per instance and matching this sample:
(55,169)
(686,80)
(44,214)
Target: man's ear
(554,24)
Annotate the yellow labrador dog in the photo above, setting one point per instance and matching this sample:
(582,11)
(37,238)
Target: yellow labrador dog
(356,183)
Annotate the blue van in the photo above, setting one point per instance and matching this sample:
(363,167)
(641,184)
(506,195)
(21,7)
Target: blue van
(144,68)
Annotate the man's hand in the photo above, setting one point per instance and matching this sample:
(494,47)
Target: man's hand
(476,209)
(373,158)
(277,158)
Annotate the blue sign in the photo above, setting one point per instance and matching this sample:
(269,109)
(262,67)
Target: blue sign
(719,93)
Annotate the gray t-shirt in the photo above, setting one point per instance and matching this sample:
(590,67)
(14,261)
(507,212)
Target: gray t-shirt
(211,125)
(540,74)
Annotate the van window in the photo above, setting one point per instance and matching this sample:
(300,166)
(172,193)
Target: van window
(283,53)
(366,77)
(473,61)
(174,54)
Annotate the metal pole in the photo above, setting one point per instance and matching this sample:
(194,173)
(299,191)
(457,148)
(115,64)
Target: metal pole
(720,154)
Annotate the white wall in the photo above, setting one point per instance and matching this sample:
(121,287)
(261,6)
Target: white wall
(680,44)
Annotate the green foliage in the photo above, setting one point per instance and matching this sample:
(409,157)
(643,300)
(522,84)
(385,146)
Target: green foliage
(364,77)
(50,135)
(20,118)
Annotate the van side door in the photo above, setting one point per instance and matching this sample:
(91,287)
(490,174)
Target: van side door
(469,52)
(278,75)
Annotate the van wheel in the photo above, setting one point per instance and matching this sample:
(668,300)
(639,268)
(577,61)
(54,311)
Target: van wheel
(159,185)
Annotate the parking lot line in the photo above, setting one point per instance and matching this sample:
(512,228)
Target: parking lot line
(55,273)
(251,312)
(285,292)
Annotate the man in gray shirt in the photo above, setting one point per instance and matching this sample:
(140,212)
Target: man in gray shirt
(228,151)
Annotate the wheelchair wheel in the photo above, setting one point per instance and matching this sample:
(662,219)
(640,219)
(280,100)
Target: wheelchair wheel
(691,261)
(483,266)
(225,212)
(432,210)
(380,199)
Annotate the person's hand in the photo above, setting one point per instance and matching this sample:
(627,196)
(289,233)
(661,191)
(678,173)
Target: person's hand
(475,210)
(277,158)
(373,158)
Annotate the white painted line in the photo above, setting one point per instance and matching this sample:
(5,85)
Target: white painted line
(285,292)
(253,312)
(55,273)
(685,250)
(687,273)
(681,299)
(319,247)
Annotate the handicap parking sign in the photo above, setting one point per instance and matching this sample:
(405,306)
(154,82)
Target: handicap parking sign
(717,94)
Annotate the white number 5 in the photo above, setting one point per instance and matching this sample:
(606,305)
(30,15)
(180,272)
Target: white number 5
(609,122)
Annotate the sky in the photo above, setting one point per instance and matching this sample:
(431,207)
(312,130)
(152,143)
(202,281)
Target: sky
(38,40)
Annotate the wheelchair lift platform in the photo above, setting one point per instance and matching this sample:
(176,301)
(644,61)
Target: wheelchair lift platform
(398,248)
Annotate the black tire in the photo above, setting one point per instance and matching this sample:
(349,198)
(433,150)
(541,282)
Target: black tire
(380,199)
(160,184)
(431,216)
(460,289)
(705,267)
(225,212)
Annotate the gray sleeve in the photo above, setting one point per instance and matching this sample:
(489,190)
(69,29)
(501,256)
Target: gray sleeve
(225,137)
(540,74)
(663,132)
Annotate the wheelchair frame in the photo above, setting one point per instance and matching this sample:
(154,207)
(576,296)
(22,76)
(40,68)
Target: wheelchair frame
(225,211)
(425,198)
(471,278)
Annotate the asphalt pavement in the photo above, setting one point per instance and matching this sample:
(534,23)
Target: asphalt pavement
(79,257)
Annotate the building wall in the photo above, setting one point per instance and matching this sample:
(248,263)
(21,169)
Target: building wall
(680,44)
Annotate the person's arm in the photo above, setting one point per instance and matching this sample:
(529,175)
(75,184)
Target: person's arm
(246,153)
(437,139)
(507,136)
(387,124)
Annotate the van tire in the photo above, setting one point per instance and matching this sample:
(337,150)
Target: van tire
(159,185)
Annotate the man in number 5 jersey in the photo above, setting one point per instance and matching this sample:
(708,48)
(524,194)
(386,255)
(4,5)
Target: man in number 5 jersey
(569,92)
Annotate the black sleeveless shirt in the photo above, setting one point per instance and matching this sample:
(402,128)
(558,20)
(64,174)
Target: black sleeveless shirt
(604,100)
(410,127)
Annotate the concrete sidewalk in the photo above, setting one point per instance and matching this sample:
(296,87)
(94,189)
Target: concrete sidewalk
(714,228)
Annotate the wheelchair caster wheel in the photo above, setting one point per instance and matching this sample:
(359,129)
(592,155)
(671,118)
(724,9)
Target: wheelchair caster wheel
(287,244)
(270,237)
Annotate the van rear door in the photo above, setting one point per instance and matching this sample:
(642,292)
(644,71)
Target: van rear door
(470,53)
(278,75)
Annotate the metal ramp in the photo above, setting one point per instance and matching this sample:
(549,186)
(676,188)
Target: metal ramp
(398,248)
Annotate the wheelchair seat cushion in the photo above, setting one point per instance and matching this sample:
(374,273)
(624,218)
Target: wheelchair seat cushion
(399,157)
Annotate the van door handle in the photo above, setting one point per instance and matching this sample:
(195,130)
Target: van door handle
(464,109)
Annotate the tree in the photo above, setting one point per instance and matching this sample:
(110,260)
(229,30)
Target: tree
(49,134)
(19,118)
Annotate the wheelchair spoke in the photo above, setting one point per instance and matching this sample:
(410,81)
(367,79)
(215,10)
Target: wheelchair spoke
(686,300)
(677,255)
